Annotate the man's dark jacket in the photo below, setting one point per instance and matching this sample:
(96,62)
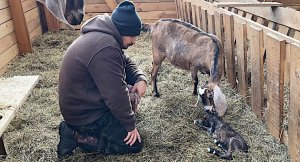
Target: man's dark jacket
(94,75)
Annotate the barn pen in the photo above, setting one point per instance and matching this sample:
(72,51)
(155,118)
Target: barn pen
(260,84)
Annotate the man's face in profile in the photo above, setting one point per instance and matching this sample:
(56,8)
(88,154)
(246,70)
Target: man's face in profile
(128,41)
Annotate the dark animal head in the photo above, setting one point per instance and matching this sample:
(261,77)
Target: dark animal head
(74,11)
(70,12)
(212,98)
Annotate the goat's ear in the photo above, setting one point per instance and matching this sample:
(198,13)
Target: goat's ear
(201,91)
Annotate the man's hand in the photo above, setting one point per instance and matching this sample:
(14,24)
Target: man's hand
(140,87)
(132,137)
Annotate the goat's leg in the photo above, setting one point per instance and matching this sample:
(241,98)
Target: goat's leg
(220,144)
(219,153)
(157,60)
(194,71)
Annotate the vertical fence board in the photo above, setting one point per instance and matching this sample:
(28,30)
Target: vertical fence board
(294,115)
(211,24)
(194,21)
(219,26)
(287,65)
(241,52)
(185,17)
(188,10)
(204,20)
(52,22)
(257,67)
(199,16)
(21,30)
(275,84)
(229,49)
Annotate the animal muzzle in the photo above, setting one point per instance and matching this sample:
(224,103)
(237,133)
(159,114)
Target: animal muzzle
(74,18)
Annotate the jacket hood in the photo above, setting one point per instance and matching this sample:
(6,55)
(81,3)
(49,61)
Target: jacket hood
(103,24)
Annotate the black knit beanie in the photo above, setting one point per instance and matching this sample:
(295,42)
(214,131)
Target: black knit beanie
(126,19)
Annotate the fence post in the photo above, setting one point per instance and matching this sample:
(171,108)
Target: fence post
(276,49)
(22,34)
(229,49)
(257,67)
(294,114)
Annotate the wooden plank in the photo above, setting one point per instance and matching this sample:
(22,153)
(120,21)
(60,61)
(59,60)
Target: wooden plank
(229,49)
(35,33)
(249,4)
(3,4)
(112,4)
(21,30)
(5,15)
(211,24)
(161,6)
(219,26)
(277,15)
(14,92)
(144,15)
(204,23)
(6,28)
(283,29)
(240,32)
(185,16)
(297,35)
(179,4)
(275,84)
(188,11)
(287,64)
(32,14)
(199,16)
(98,8)
(7,41)
(8,55)
(194,20)
(28,5)
(271,25)
(257,75)
(52,22)
(260,20)
(241,13)
(249,16)
(33,24)
(294,115)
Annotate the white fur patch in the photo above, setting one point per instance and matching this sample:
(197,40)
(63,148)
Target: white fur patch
(201,91)
(208,149)
(208,108)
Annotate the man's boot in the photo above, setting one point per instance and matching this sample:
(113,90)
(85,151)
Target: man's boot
(67,141)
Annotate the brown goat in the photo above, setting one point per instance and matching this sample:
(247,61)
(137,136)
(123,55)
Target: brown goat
(188,48)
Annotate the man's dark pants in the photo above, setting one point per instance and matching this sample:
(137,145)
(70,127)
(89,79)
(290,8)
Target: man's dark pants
(105,135)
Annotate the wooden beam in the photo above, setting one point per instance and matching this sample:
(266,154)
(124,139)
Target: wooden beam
(249,4)
(21,30)
(277,15)
(52,21)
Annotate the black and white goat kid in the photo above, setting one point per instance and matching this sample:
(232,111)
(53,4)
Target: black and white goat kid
(224,136)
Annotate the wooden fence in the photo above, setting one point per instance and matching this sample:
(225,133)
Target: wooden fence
(19,26)
(264,47)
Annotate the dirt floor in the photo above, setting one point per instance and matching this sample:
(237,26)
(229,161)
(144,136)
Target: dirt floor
(165,123)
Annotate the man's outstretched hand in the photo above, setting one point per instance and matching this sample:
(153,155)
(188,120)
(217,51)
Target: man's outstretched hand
(132,137)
